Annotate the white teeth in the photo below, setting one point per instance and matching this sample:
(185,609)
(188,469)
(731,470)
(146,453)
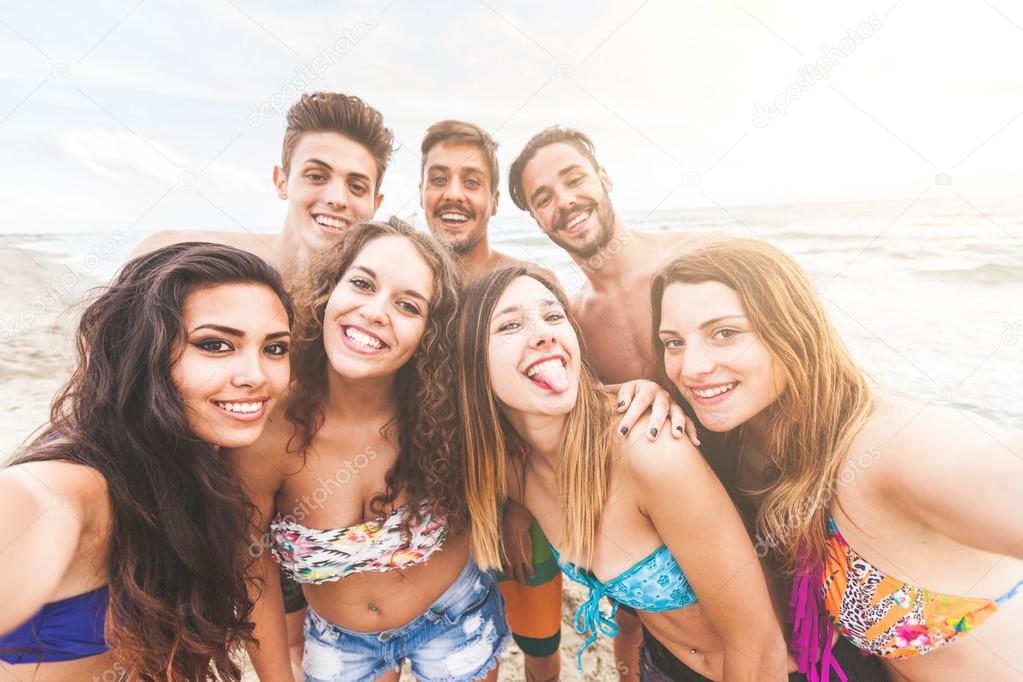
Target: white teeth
(455,217)
(329,222)
(718,390)
(244,408)
(546,364)
(578,219)
(362,339)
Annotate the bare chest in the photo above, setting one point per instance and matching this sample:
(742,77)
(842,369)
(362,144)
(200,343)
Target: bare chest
(616,332)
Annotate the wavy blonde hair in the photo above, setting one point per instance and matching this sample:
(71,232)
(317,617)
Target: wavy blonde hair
(492,446)
(826,398)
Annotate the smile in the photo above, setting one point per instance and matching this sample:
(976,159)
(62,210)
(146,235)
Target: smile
(577,220)
(251,410)
(715,394)
(362,340)
(330,222)
(453,218)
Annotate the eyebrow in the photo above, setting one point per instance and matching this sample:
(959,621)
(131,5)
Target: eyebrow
(231,331)
(546,303)
(561,173)
(706,324)
(220,328)
(326,165)
(447,169)
(409,292)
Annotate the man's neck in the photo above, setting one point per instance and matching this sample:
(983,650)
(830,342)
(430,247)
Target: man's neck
(615,265)
(478,261)
(291,252)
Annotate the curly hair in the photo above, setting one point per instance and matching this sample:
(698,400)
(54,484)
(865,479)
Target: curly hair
(429,464)
(179,604)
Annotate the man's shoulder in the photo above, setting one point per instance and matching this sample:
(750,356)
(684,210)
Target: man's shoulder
(506,261)
(253,243)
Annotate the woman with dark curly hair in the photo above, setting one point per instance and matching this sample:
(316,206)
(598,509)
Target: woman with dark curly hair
(359,491)
(123,532)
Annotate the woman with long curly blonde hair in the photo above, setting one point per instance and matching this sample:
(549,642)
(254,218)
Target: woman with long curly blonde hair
(898,521)
(359,490)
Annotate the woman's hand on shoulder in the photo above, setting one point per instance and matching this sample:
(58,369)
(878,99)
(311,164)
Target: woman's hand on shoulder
(637,396)
(44,511)
(957,473)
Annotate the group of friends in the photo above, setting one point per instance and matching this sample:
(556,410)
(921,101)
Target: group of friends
(354,444)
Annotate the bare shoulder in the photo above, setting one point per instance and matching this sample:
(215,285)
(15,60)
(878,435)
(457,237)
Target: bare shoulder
(56,483)
(506,261)
(932,447)
(658,463)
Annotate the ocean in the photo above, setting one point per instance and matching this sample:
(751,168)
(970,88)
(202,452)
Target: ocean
(928,295)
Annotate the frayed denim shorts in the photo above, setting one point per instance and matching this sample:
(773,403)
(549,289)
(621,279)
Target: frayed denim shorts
(458,639)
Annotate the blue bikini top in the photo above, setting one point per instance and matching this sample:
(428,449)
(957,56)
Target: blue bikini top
(655,583)
(63,630)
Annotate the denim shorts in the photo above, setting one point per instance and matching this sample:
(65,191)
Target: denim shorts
(459,638)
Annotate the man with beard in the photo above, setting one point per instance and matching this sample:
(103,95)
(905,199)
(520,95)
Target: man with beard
(557,179)
(458,193)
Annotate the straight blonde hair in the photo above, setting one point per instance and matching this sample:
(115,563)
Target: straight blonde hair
(493,450)
(826,398)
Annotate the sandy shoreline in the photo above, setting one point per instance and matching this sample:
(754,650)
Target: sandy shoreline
(43,298)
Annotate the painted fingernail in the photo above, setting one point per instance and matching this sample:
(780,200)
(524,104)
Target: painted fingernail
(624,430)
(680,429)
(620,403)
(653,432)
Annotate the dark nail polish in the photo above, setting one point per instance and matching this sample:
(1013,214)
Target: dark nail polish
(680,429)
(624,430)
(653,432)
(620,403)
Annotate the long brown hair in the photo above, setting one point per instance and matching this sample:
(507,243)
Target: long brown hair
(179,605)
(826,397)
(429,461)
(492,445)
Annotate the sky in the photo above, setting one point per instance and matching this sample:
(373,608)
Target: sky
(148,115)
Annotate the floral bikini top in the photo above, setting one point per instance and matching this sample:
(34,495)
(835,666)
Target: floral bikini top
(881,615)
(309,555)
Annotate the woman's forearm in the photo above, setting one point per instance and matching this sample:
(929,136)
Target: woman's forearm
(752,661)
(270,656)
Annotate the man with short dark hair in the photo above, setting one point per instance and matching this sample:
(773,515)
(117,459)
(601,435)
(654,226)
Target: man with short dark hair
(459,194)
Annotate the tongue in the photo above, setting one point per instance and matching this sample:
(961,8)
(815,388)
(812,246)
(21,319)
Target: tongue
(554,376)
